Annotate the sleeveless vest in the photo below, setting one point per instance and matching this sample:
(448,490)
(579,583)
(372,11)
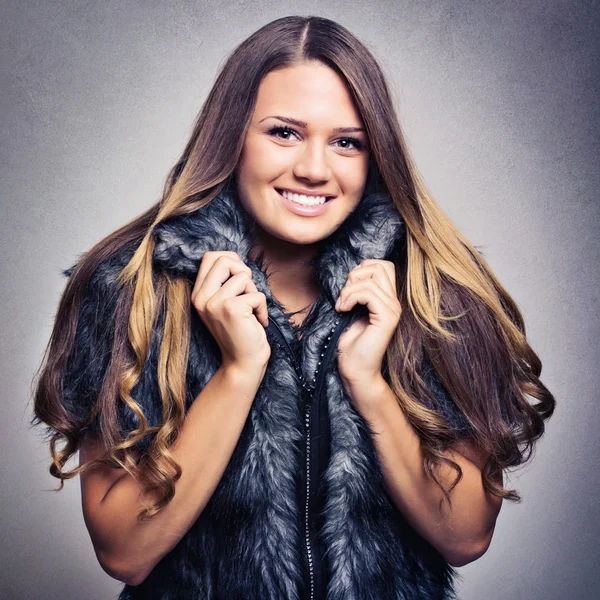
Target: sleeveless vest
(301,511)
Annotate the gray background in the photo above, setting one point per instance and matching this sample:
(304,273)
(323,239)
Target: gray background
(499,102)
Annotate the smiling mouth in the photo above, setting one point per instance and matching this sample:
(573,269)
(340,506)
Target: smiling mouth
(327,198)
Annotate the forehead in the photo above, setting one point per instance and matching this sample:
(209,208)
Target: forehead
(310,92)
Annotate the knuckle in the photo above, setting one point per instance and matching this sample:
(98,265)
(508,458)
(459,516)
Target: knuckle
(209,306)
(243,276)
(229,305)
(197,300)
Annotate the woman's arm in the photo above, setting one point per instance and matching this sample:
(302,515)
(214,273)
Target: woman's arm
(466,532)
(129,550)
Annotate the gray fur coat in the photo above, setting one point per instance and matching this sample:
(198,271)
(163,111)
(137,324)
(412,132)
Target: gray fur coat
(301,510)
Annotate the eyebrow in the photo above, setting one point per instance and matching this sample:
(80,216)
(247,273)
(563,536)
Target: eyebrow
(304,125)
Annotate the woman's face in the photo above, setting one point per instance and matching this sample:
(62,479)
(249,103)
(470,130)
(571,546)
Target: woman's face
(294,143)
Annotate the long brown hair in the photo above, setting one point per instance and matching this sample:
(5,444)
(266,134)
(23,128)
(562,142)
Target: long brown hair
(456,313)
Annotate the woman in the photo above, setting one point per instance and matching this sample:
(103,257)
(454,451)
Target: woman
(292,377)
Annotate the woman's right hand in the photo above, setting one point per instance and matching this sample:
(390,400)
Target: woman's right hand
(226,299)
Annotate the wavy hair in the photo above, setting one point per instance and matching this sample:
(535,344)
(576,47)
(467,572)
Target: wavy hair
(457,314)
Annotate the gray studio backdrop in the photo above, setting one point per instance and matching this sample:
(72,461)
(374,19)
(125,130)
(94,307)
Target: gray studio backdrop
(499,102)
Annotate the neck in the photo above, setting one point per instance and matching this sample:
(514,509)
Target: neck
(288,265)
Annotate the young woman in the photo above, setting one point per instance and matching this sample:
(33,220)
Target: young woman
(292,377)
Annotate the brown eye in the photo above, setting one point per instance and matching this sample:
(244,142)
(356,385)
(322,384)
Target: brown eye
(355,141)
(281,130)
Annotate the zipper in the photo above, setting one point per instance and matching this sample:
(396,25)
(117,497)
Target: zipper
(314,389)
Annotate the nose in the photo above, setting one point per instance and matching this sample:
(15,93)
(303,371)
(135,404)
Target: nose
(312,163)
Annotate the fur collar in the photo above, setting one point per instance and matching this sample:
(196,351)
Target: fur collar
(372,230)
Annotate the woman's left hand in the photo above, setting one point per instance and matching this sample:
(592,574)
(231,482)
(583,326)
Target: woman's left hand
(362,346)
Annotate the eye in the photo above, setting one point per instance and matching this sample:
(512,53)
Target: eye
(357,143)
(279,129)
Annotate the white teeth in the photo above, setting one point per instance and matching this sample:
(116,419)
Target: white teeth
(301,199)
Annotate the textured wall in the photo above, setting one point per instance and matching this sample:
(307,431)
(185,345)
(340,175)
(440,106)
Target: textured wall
(500,104)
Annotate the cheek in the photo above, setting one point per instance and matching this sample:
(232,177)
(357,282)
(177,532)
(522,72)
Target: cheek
(352,174)
(261,162)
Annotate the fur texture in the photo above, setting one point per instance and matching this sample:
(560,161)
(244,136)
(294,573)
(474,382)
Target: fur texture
(248,542)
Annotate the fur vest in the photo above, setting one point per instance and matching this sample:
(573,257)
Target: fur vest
(301,511)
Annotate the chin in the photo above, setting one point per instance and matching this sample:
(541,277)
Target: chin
(301,240)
